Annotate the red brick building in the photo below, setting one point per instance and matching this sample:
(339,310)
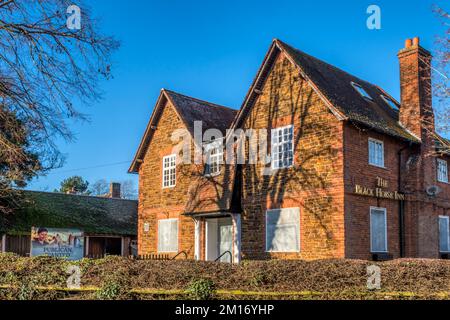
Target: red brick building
(349,172)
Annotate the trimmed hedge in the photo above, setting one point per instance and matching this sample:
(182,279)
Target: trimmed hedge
(122,278)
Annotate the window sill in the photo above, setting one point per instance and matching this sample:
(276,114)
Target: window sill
(444,255)
(283,168)
(377,166)
(381,256)
(212,175)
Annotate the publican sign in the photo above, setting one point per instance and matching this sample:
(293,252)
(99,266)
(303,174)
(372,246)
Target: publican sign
(379,191)
(60,243)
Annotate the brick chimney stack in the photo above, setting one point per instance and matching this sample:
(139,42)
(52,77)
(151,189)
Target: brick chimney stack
(114,190)
(416,112)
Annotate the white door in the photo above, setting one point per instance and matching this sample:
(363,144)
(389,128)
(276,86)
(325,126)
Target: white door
(225,241)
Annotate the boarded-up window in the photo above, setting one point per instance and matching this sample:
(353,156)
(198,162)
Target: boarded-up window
(378,233)
(168,235)
(283,230)
(444,234)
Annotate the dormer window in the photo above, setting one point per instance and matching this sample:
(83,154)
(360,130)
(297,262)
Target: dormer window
(390,102)
(361,90)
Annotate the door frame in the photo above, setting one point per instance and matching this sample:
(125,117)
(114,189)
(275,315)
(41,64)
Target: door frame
(201,235)
(228,224)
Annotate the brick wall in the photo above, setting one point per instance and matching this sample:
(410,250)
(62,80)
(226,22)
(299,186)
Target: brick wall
(157,203)
(331,157)
(314,184)
(416,114)
(421,211)
(424,210)
(357,207)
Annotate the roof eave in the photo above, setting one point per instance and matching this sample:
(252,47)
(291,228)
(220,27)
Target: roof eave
(405,139)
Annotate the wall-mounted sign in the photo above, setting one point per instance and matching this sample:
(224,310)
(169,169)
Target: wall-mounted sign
(60,243)
(379,191)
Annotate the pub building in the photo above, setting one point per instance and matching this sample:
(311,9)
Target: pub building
(351,172)
(107,223)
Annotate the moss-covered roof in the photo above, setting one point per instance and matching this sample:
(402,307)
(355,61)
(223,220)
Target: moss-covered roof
(93,215)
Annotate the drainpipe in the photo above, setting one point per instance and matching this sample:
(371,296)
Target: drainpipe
(401,206)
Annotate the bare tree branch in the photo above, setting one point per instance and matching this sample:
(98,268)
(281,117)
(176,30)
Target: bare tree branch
(45,71)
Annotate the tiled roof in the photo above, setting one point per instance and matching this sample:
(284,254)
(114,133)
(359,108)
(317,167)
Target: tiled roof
(335,85)
(442,144)
(189,110)
(211,115)
(93,215)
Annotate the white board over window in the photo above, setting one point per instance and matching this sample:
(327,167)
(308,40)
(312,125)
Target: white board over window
(283,230)
(168,235)
(378,230)
(444,234)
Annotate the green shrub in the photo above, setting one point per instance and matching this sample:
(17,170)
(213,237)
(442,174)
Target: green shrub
(201,289)
(259,279)
(26,291)
(115,285)
(21,277)
(111,290)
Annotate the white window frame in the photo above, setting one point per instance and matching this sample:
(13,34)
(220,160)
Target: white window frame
(448,233)
(442,176)
(390,102)
(277,144)
(385,230)
(362,92)
(159,229)
(298,231)
(216,158)
(372,140)
(171,166)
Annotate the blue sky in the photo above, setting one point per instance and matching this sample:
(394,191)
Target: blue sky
(211,50)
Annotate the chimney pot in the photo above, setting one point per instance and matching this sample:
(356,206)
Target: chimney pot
(416,41)
(114,190)
(408,43)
